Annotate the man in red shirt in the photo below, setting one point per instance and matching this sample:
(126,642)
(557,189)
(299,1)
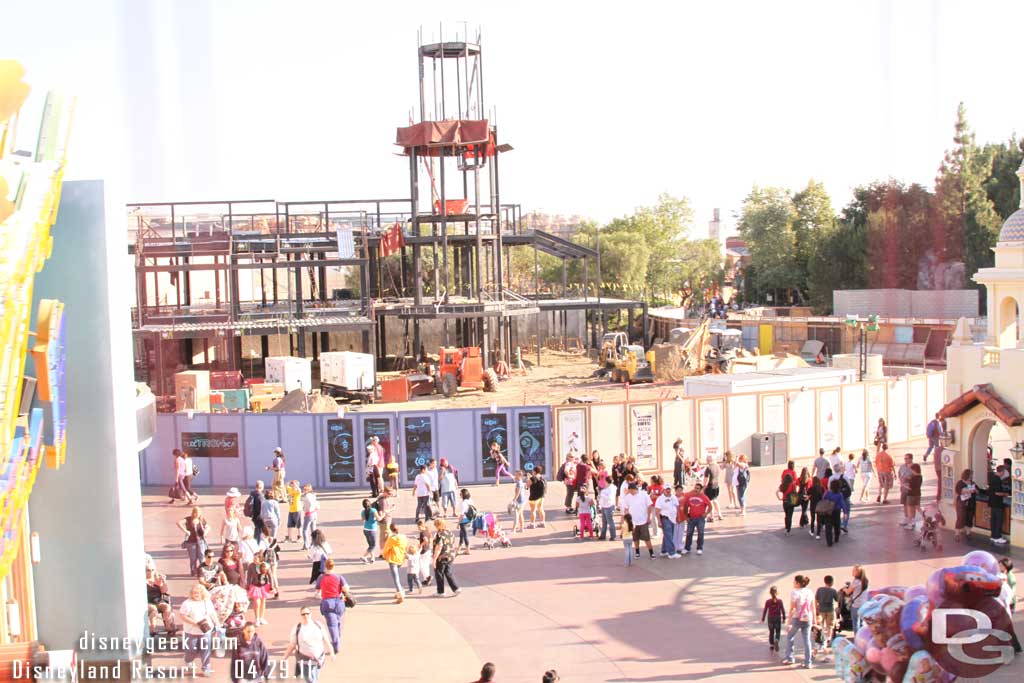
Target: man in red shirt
(695,508)
(333,591)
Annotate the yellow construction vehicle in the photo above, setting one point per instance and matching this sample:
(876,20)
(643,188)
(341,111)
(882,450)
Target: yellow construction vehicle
(635,366)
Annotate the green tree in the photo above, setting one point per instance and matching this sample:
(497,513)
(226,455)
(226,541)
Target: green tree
(766,223)
(838,261)
(971,224)
(1002,186)
(815,219)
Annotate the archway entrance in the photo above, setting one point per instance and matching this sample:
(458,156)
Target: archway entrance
(988,434)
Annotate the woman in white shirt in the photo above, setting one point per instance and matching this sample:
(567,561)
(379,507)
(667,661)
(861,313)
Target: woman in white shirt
(231,527)
(319,551)
(801,616)
(867,471)
(465,521)
(310,508)
(200,623)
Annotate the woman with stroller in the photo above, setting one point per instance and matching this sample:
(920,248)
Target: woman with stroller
(964,492)
(913,503)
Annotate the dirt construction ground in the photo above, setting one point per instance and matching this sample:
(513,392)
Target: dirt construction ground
(559,376)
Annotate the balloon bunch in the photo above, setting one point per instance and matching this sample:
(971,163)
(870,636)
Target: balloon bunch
(897,640)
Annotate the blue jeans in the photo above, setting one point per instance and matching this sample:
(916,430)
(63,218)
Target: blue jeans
(448,499)
(627,543)
(195,555)
(333,610)
(668,529)
(201,647)
(308,526)
(933,445)
(463,535)
(371,539)
(741,493)
(804,629)
(699,525)
(423,504)
(608,522)
(846,513)
(396,577)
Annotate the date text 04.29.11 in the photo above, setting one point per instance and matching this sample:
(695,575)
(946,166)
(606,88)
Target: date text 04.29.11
(277,669)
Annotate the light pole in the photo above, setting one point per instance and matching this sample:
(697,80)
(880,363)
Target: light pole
(869,324)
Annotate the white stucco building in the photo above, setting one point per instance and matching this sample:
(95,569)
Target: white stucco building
(985,383)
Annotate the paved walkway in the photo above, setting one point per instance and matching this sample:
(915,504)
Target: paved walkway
(552,601)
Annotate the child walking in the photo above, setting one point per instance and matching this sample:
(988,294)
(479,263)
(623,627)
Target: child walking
(775,611)
(627,537)
(412,567)
(587,508)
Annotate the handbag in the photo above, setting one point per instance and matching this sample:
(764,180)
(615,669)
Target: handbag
(205,626)
(825,507)
(350,602)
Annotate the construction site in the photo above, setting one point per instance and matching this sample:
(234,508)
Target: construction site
(263,304)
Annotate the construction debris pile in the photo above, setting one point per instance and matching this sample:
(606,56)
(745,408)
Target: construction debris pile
(298,401)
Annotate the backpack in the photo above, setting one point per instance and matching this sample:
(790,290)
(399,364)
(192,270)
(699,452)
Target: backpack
(844,487)
(250,506)
(787,481)
(561,473)
(742,478)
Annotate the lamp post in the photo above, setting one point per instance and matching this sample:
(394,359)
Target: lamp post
(864,325)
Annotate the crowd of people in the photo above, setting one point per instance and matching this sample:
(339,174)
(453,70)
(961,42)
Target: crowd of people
(608,502)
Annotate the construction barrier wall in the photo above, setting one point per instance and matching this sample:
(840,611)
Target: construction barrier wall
(843,416)
(329,451)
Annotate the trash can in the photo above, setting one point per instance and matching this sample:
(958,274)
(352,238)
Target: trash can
(761,449)
(780,448)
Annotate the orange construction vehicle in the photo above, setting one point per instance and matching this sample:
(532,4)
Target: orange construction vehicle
(463,368)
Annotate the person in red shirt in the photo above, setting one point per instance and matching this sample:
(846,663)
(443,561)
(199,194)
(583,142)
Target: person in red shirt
(333,594)
(695,509)
(788,493)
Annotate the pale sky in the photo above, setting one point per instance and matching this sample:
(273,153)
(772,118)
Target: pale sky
(606,104)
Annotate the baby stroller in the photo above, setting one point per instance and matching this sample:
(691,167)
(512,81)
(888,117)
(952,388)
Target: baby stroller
(928,528)
(494,535)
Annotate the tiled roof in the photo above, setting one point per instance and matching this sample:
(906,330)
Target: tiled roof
(986,395)
(1013,228)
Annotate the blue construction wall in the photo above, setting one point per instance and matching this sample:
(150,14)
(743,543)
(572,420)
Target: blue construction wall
(330,451)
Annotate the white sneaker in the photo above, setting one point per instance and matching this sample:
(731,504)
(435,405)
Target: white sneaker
(683,552)
(700,552)
(675,556)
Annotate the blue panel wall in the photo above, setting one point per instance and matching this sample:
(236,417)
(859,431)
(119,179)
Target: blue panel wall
(298,439)
(454,434)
